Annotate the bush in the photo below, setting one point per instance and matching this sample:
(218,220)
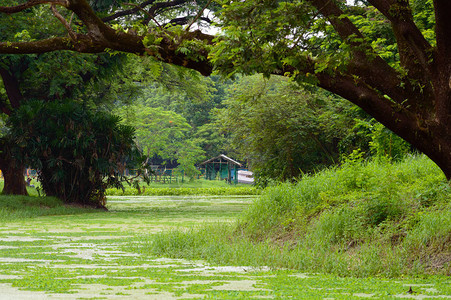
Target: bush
(77,151)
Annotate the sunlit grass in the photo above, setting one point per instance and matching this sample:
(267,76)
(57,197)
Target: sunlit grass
(24,207)
(194,187)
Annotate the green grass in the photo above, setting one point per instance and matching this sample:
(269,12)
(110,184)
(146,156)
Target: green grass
(361,219)
(194,187)
(31,190)
(25,207)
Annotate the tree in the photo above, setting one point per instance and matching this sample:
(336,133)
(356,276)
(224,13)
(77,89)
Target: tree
(151,27)
(60,74)
(148,84)
(280,130)
(47,76)
(163,134)
(326,42)
(380,55)
(185,93)
(78,151)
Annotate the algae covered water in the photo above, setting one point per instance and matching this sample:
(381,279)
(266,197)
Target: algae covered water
(96,255)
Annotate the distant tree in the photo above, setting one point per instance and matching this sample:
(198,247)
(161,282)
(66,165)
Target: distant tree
(212,138)
(165,135)
(152,84)
(280,130)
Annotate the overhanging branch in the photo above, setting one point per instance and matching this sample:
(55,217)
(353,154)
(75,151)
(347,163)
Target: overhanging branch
(405,28)
(365,63)
(41,46)
(63,21)
(128,12)
(29,4)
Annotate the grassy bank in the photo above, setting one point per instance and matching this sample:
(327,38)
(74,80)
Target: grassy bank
(195,187)
(362,219)
(26,207)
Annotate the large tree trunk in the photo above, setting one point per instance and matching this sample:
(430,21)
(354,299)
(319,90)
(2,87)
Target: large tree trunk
(437,146)
(12,169)
(14,183)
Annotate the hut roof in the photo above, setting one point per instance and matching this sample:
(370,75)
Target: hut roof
(220,157)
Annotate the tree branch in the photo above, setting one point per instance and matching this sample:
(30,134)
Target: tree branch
(47,45)
(128,11)
(167,51)
(146,12)
(29,4)
(365,63)
(395,117)
(198,15)
(150,12)
(184,20)
(409,37)
(161,5)
(63,21)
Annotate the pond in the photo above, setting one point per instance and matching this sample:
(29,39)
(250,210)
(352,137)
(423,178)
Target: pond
(90,256)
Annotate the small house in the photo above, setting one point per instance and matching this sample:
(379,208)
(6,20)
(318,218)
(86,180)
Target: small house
(223,168)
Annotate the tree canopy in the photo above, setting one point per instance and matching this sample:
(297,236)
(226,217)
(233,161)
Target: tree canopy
(281,130)
(392,58)
(151,27)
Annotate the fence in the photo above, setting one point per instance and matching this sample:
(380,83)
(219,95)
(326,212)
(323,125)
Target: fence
(159,175)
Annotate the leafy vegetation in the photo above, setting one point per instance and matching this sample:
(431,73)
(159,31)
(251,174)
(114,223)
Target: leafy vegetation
(281,131)
(390,59)
(360,219)
(163,135)
(78,152)
(356,50)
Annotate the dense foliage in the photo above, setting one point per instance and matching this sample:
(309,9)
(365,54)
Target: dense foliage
(163,136)
(281,131)
(390,58)
(77,151)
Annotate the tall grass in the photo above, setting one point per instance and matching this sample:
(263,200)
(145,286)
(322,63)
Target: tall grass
(361,219)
